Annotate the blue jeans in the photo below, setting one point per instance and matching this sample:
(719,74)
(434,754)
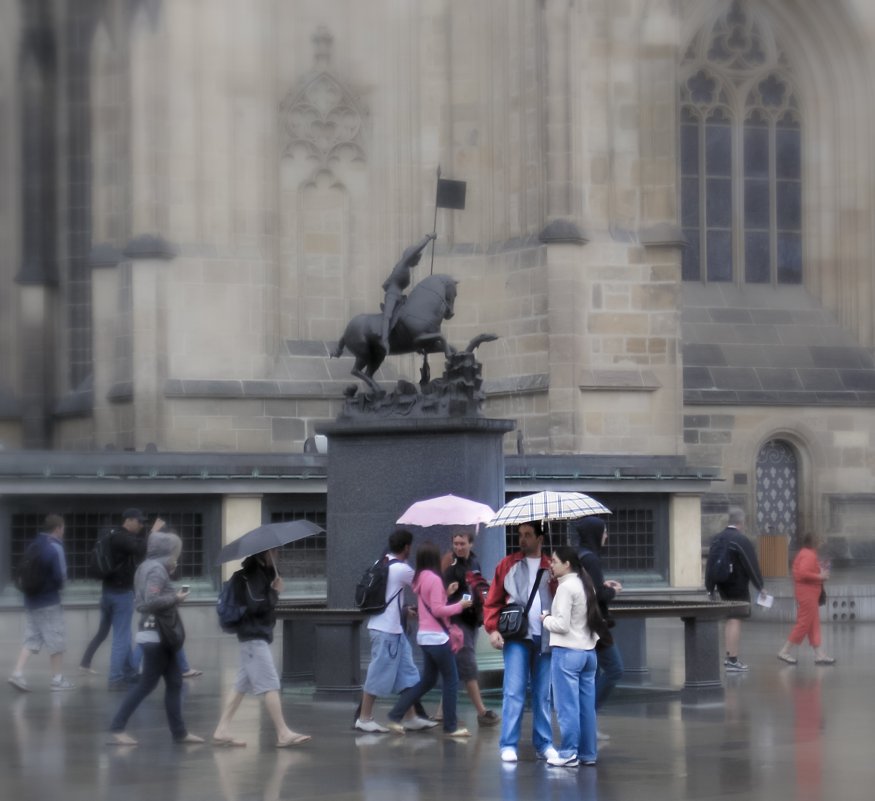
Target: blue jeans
(573,678)
(137,658)
(158,661)
(438,660)
(610,671)
(102,633)
(525,665)
(118,605)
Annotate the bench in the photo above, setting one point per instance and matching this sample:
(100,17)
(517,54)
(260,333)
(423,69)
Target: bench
(702,651)
(324,645)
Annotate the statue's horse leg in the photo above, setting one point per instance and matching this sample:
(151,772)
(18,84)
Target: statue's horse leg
(367,362)
(432,343)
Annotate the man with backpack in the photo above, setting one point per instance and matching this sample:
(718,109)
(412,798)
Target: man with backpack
(392,668)
(41,577)
(116,556)
(254,591)
(732,565)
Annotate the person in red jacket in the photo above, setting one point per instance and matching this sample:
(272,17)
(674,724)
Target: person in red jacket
(808,578)
(526,662)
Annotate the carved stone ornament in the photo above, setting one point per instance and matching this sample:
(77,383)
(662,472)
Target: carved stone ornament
(322,119)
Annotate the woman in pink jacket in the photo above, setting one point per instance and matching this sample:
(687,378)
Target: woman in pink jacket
(433,637)
(808,578)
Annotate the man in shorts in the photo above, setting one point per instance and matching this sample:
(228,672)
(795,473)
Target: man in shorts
(391,669)
(745,570)
(258,585)
(43,615)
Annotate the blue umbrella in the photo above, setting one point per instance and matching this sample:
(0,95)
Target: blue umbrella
(270,535)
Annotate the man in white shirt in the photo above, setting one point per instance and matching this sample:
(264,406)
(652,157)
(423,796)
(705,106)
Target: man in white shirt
(392,668)
(526,661)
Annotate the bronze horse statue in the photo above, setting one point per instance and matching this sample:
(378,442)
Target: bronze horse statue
(416,328)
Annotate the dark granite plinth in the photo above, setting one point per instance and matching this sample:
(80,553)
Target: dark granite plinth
(376,469)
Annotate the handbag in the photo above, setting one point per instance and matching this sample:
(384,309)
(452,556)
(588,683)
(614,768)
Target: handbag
(169,626)
(513,619)
(456,635)
(821,601)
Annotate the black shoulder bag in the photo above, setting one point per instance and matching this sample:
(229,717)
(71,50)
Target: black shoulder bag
(513,619)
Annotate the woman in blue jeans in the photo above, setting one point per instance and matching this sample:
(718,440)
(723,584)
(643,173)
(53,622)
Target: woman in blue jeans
(433,638)
(572,623)
(154,593)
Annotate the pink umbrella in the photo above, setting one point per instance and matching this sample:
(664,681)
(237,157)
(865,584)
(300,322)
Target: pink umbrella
(447,510)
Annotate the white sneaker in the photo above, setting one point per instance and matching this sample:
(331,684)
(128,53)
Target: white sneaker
(418,724)
(602,736)
(62,684)
(370,726)
(508,755)
(19,683)
(564,762)
(549,753)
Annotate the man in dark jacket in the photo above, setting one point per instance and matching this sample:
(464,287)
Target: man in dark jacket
(745,569)
(43,615)
(592,536)
(458,566)
(257,586)
(127,549)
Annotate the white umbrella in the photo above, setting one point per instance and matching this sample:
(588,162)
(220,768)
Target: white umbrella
(446,510)
(547,505)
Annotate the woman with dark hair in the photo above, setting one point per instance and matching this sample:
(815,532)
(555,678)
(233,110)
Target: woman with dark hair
(592,536)
(808,578)
(572,622)
(434,639)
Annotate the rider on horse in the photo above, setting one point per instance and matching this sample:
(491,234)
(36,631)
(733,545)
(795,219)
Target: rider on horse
(396,283)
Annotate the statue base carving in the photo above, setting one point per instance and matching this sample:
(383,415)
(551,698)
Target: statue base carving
(457,393)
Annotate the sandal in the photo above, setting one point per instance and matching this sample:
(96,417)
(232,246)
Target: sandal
(228,742)
(295,739)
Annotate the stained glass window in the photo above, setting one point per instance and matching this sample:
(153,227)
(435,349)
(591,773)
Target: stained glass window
(740,155)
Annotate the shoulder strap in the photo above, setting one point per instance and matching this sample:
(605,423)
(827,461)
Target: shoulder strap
(531,600)
(438,619)
(400,589)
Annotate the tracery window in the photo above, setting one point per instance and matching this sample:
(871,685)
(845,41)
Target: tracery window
(740,155)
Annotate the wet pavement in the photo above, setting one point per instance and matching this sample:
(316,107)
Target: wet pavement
(802,732)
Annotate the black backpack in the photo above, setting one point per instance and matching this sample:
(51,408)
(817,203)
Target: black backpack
(30,575)
(102,561)
(721,563)
(229,608)
(370,592)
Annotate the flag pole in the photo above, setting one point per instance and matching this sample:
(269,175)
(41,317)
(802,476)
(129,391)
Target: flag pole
(434,227)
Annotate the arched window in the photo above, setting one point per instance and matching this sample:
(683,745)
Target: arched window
(740,155)
(777,508)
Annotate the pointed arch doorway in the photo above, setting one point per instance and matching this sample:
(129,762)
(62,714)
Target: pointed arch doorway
(777,504)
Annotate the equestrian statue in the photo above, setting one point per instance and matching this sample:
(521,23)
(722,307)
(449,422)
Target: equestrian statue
(407,324)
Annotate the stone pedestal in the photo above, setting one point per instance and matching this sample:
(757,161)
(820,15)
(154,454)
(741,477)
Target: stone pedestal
(703,683)
(377,468)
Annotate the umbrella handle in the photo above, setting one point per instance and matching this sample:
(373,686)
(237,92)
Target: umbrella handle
(276,573)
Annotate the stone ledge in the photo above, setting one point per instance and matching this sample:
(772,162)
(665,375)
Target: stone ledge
(121,392)
(611,380)
(149,246)
(77,403)
(517,385)
(250,389)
